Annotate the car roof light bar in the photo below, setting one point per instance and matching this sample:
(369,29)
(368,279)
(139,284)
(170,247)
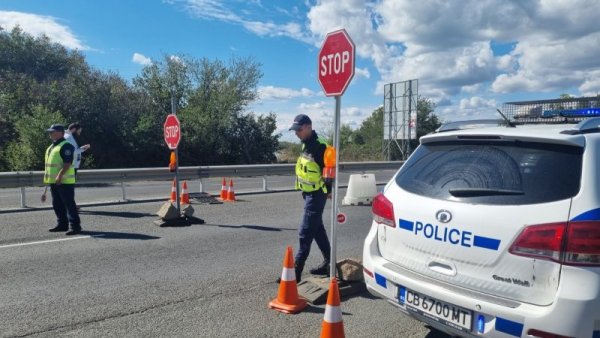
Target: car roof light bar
(471,124)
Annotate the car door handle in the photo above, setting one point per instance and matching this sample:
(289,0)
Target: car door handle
(441,266)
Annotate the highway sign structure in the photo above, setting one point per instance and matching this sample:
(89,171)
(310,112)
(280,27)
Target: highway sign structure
(336,63)
(172,131)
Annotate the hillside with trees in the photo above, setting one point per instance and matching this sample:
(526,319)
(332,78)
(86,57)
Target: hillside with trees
(44,83)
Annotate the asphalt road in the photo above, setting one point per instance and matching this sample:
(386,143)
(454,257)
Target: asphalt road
(127,277)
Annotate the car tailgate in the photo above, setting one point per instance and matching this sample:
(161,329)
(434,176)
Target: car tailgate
(470,248)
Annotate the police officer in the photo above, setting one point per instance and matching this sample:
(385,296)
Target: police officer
(315,193)
(60,175)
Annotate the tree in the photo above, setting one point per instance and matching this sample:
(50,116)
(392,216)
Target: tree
(27,152)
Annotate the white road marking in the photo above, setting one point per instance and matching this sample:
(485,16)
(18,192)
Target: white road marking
(48,241)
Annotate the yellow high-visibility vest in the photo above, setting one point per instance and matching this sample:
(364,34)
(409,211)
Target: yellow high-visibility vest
(308,172)
(53,165)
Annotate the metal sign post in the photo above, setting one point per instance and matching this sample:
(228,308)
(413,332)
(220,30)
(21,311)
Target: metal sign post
(334,199)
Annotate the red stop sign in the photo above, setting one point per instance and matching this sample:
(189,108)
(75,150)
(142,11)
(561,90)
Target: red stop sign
(336,63)
(341,218)
(172,131)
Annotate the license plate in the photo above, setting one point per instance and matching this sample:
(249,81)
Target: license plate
(440,311)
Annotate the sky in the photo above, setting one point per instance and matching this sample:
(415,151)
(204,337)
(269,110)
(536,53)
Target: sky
(468,56)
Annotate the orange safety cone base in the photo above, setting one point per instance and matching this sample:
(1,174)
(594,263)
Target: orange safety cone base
(287,300)
(275,304)
(223,194)
(173,193)
(185,195)
(230,193)
(333,325)
(332,330)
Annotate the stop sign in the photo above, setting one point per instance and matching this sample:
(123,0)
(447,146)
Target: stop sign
(172,131)
(336,63)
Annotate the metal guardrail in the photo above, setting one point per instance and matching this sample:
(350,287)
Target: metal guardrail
(21,179)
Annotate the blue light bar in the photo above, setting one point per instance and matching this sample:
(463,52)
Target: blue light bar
(584,112)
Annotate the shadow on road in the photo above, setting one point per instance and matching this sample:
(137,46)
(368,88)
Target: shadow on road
(125,214)
(117,235)
(254,227)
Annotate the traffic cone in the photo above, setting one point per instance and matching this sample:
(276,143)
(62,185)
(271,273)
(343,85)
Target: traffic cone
(230,192)
(333,326)
(185,195)
(223,190)
(173,192)
(287,300)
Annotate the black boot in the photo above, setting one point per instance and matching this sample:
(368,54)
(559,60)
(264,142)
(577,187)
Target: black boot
(322,269)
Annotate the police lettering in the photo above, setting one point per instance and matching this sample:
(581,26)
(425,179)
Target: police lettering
(444,234)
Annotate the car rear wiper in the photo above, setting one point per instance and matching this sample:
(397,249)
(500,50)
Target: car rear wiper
(473,192)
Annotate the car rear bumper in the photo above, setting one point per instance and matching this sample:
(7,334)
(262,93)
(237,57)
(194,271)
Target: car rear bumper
(574,311)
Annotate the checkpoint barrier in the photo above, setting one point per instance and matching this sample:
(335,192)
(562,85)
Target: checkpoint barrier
(361,190)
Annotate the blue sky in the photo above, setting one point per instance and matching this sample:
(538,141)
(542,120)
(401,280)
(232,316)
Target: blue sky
(469,56)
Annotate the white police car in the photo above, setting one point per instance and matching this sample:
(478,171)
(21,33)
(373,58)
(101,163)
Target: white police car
(493,231)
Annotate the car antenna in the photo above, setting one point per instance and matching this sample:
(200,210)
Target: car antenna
(510,124)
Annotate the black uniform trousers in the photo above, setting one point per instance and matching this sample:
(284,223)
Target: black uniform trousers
(312,226)
(63,203)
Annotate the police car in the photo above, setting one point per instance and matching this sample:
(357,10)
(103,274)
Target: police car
(493,231)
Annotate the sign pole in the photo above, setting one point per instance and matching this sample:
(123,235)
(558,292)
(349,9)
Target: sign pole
(334,199)
(178,206)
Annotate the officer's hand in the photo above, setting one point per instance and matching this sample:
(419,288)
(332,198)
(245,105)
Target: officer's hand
(328,196)
(58,180)
(85,147)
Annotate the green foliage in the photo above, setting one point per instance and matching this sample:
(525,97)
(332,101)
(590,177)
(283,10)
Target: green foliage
(27,152)
(44,83)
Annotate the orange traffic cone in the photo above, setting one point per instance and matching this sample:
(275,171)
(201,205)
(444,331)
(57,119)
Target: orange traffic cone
(173,192)
(185,195)
(287,300)
(223,190)
(230,192)
(333,326)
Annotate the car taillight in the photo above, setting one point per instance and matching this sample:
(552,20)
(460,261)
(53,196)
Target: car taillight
(583,244)
(540,241)
(575,243)
(383,211)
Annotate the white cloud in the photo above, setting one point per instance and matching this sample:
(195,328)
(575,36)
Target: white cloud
(218,10)
(141,59)
(450,47)
(477,103)
(362,72)
(37,25)
(279,93)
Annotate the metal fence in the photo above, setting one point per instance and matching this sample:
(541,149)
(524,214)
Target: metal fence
(21,179)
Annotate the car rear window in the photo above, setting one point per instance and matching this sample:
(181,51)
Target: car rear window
(493,172)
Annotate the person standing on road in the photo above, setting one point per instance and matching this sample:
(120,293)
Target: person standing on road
(75,129)
(60,175)
(315,193)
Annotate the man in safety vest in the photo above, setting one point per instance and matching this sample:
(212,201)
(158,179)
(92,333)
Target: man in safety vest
(315,192)
(60,175)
